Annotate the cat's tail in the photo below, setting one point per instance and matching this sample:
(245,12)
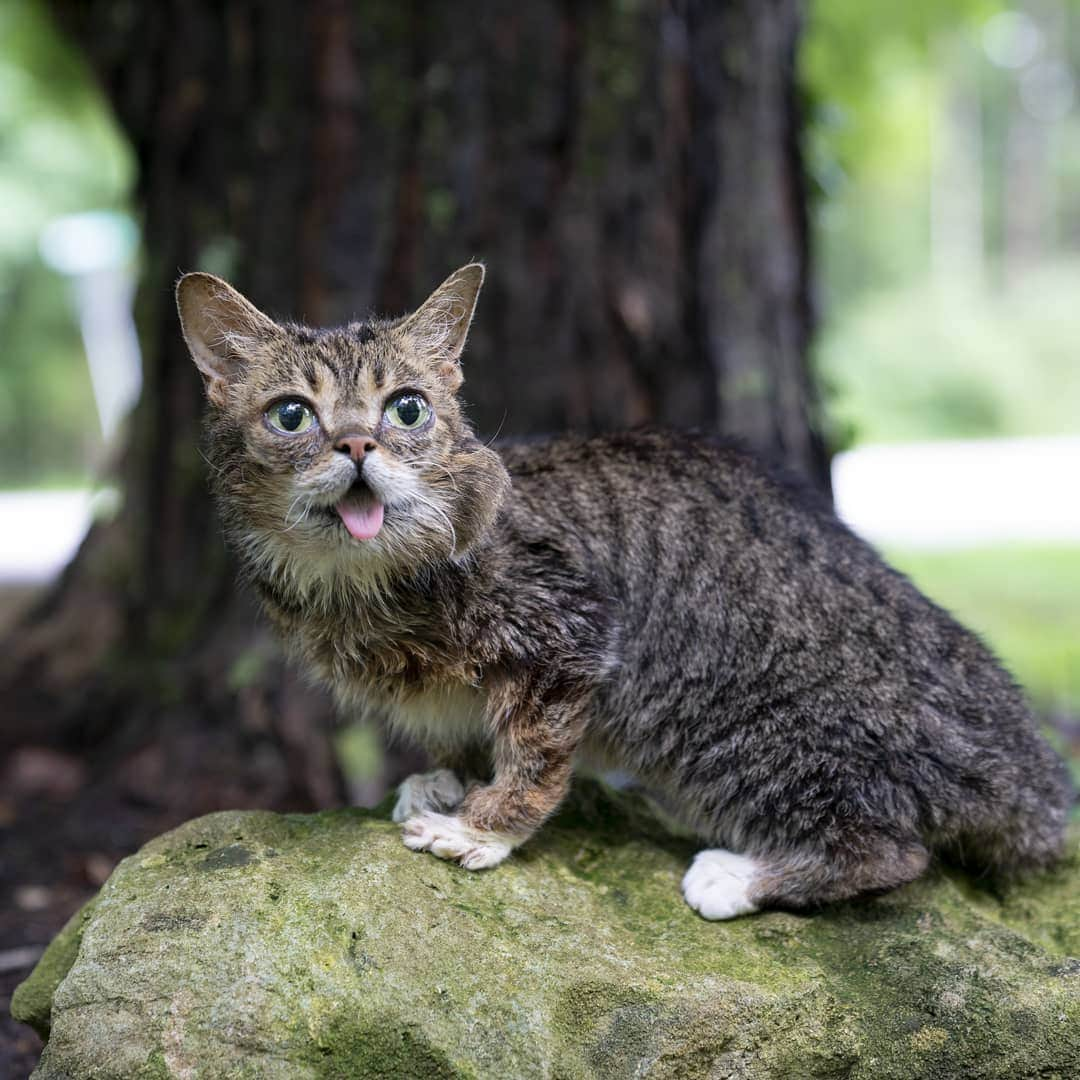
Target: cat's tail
(1022,829)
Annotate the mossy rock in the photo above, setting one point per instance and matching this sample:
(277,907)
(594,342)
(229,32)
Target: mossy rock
(258,945)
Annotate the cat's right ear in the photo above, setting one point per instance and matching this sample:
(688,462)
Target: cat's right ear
(439,327)
(220,327)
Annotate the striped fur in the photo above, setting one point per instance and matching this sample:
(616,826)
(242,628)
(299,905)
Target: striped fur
(659,602)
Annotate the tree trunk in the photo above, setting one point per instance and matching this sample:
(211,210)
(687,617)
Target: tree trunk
(630,173)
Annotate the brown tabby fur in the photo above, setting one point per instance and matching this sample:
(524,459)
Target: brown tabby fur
(654,601)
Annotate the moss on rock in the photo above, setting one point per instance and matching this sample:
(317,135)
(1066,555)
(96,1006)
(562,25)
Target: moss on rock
(32,1001)
(252,944)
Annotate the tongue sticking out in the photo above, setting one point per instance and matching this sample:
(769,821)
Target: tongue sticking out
(363,517)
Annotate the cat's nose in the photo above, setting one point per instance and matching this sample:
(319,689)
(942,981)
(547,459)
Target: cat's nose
(356,446)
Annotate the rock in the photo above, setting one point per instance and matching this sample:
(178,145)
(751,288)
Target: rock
(257,945)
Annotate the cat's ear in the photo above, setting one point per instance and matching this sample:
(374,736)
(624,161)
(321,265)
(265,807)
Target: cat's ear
(439,327)
(220,327)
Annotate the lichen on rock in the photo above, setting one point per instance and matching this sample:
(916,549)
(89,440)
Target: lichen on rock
(253,944)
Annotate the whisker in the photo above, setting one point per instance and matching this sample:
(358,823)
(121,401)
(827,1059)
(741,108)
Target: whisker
(498,429)
(427,463)
(219,469)
(303,515)
(441,513)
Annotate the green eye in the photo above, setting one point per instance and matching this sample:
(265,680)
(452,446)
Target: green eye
(409,411)
(291,417)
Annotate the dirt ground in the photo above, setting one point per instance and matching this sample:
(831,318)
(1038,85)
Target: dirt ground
(22,935)
(40,888)
(59,840)
(19,1046)
(58,843)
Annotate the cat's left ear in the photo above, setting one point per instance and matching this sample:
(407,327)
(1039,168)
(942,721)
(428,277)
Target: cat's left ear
(220,327)
(439,327)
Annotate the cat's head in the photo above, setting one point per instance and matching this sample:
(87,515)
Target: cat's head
(342,454)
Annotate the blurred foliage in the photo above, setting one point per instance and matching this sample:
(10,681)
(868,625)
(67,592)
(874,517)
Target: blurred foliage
(914,343)
(873,78)
(919,363)
(864,66)
(60,152)
(359,748)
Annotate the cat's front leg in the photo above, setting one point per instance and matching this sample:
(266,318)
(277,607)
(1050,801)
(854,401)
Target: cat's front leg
(449,836)
(533,752)
(430,792)
(442,790)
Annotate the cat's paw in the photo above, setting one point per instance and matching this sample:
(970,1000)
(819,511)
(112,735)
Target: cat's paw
(717,885)
(450,838)
(438,790)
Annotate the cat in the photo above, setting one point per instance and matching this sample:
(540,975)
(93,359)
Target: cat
(656,602)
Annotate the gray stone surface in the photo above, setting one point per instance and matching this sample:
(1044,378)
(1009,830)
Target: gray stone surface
(257,945)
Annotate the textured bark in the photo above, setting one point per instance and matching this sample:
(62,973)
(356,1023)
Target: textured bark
(629,172)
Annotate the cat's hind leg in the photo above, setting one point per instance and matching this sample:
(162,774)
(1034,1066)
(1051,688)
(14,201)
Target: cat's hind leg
(717,885)
(722,884)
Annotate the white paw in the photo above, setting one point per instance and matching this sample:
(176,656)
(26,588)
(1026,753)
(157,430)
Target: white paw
(718,883)
(438,790)
(449,838)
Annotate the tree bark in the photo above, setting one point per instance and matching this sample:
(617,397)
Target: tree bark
(631,175)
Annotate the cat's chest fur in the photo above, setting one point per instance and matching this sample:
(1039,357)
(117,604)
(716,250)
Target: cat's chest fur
(396,661)
(448,716)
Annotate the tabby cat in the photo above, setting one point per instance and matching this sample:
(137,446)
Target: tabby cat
(653,601)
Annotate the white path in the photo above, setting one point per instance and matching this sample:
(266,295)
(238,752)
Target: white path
(39,532)
(955,494)
(945,494)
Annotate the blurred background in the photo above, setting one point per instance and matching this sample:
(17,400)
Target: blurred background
(847,232)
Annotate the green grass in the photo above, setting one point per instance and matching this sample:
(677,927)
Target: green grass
(955,360)
(1023,600)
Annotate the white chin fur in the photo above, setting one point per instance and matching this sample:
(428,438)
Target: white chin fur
(433,791)
(449,838)
(717,885)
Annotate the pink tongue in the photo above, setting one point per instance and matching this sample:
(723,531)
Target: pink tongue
(362,519)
